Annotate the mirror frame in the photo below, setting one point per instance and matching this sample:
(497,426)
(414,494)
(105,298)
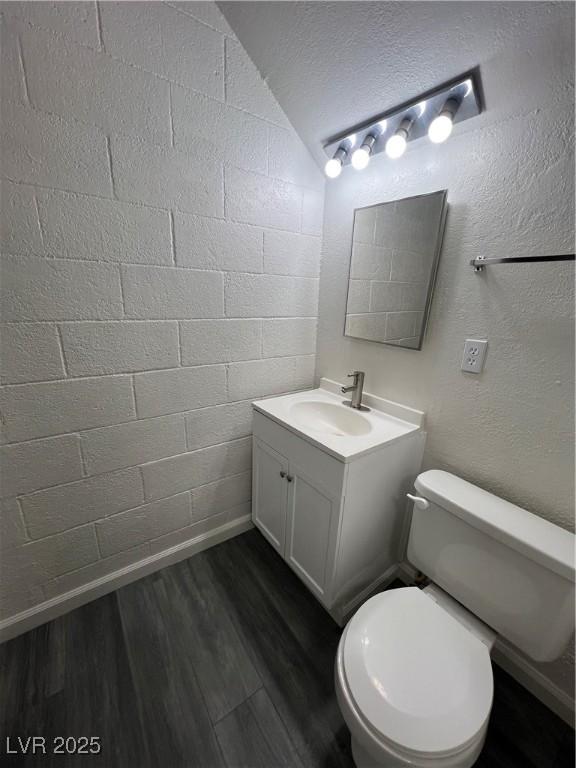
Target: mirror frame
(433,273)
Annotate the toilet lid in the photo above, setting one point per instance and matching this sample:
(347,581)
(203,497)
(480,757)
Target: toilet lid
(418,677)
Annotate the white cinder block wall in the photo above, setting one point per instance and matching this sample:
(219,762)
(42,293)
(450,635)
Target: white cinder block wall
(161,230)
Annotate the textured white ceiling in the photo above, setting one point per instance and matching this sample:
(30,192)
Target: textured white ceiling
(333,64)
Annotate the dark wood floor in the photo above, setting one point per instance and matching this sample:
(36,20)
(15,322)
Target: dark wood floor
(222,660)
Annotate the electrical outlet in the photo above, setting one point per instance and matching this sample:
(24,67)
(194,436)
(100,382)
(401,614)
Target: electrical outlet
(474,354)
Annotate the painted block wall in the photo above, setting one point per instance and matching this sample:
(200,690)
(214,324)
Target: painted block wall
(160,235)
(510,180)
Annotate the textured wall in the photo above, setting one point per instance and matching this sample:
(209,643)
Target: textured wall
(510,181)
(161,237)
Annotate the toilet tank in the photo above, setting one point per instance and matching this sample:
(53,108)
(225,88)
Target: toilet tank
(512,569)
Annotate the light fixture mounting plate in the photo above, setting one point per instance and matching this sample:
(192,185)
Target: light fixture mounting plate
(466,89)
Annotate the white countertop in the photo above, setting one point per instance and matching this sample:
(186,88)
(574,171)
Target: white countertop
(384,423)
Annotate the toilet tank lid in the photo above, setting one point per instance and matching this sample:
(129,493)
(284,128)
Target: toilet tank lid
(534,537)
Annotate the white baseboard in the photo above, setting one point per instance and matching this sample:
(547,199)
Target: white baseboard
(407,573)
(520,668)
(51,609)
(534,681)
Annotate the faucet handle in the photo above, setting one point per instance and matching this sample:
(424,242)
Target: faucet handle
(354,374)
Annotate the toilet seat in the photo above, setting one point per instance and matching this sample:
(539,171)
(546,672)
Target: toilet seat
(420,681)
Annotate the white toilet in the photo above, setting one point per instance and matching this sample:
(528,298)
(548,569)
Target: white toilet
(413,671)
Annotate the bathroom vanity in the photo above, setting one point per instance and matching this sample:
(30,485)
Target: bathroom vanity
(329,487)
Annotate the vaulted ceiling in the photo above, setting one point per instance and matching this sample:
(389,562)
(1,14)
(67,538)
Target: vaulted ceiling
(333,64)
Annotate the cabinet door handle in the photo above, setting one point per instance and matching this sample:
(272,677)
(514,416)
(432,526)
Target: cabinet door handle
(282,474)
(289,478)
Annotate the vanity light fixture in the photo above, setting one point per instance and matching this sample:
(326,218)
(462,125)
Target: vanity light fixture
(432,115)
(396,144)
(441,127)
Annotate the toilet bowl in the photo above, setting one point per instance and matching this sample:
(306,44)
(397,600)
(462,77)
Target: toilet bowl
(414,684)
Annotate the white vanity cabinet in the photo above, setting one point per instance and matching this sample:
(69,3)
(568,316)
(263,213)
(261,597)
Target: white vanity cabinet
(337,521)
(296,500)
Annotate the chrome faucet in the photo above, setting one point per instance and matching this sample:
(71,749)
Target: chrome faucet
(356,389)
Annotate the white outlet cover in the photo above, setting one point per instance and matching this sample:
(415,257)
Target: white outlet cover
(474,355)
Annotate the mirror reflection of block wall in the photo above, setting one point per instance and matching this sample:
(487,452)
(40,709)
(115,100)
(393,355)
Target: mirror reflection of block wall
(395,251)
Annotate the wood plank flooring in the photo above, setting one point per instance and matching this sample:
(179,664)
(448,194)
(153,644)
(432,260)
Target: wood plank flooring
(223,660)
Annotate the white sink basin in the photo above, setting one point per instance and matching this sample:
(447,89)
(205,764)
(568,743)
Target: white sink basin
(319,416)
(329,418)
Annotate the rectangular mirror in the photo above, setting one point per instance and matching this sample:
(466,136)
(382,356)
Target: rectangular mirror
(395,252)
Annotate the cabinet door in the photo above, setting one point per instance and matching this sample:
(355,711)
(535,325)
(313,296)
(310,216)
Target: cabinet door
(269,493)
(311,532)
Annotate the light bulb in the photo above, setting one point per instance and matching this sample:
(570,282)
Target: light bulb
(440,129)
(360,159)
(333,168)
(396,146)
